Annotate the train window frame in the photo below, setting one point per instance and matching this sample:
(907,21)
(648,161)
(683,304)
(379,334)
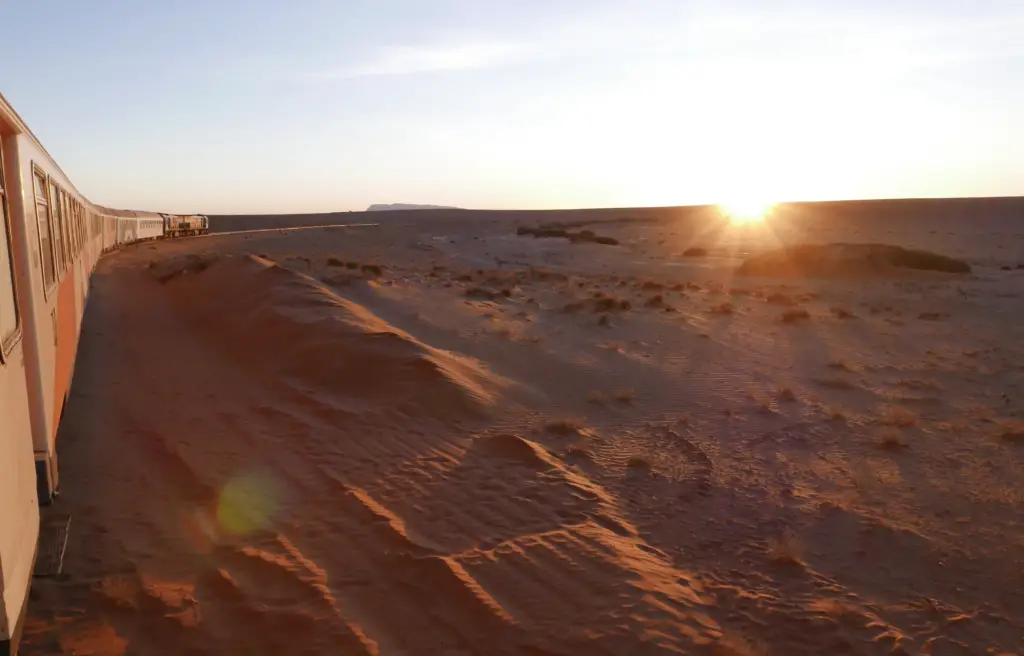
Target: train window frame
(8,342)
(39,176)
(65,225)
(53,191)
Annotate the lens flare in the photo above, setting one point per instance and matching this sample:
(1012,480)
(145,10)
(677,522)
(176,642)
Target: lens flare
(746,210)
(247,504)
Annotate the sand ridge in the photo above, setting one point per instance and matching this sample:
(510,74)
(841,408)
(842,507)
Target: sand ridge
(447,438)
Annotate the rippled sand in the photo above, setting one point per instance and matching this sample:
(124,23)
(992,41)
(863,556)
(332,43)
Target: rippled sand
(438,437)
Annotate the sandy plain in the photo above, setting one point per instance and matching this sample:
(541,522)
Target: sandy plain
(436,436)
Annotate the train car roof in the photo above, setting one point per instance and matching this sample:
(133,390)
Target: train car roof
(11,116)
(8,113)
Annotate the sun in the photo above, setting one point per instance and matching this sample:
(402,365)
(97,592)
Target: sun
(746,210)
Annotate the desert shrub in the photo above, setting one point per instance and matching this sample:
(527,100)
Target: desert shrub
(335,262)
(891,440)
(795,315)
(638,463)
(655,301)
(894,415)
(611,304)
(787,549)
(566,426)
(624,396)
(778,298)
(695,251)
(835,414)
(480,293)
(841,313)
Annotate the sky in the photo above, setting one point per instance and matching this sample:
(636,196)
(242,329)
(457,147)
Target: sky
(252,106)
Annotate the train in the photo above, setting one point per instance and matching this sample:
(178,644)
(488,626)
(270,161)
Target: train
(185,225)
(51,239)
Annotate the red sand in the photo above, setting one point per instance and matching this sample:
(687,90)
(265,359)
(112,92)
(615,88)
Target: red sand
(261,462)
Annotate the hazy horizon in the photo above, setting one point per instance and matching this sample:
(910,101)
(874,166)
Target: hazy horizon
(323,106)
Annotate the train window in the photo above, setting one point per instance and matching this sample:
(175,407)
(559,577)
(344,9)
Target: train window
(44,223)
(80,216)
(9,319)
(55,227)
(67,228)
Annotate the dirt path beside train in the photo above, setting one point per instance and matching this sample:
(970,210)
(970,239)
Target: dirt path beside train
(375,442)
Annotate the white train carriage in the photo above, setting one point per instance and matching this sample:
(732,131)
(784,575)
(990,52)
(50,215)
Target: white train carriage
(50,240)
(19,502)
(151,226)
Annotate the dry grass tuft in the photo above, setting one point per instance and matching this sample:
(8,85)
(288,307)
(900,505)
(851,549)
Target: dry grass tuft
(794,315)
(786,394)
(894,415)
(722,308)
(481,293)
(611,304)
(778,298)
(573,307)
(655,301)
(891,440)
(503,331)
(597,397)
(625,396)
(352,265)
(839,364)
(842,313)
(335,262)
(638,463)
(787,549)
(835,414)
(564,426)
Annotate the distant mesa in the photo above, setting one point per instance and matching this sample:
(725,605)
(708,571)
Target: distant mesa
(386,207)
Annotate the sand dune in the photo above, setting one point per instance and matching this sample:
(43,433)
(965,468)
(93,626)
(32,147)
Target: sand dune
(296,329)
(444,438)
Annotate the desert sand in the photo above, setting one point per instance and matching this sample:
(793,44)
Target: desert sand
(436,436)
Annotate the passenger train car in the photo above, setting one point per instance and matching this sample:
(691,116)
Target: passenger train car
(51,238)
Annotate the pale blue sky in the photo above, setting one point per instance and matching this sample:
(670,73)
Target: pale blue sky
(257,106)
